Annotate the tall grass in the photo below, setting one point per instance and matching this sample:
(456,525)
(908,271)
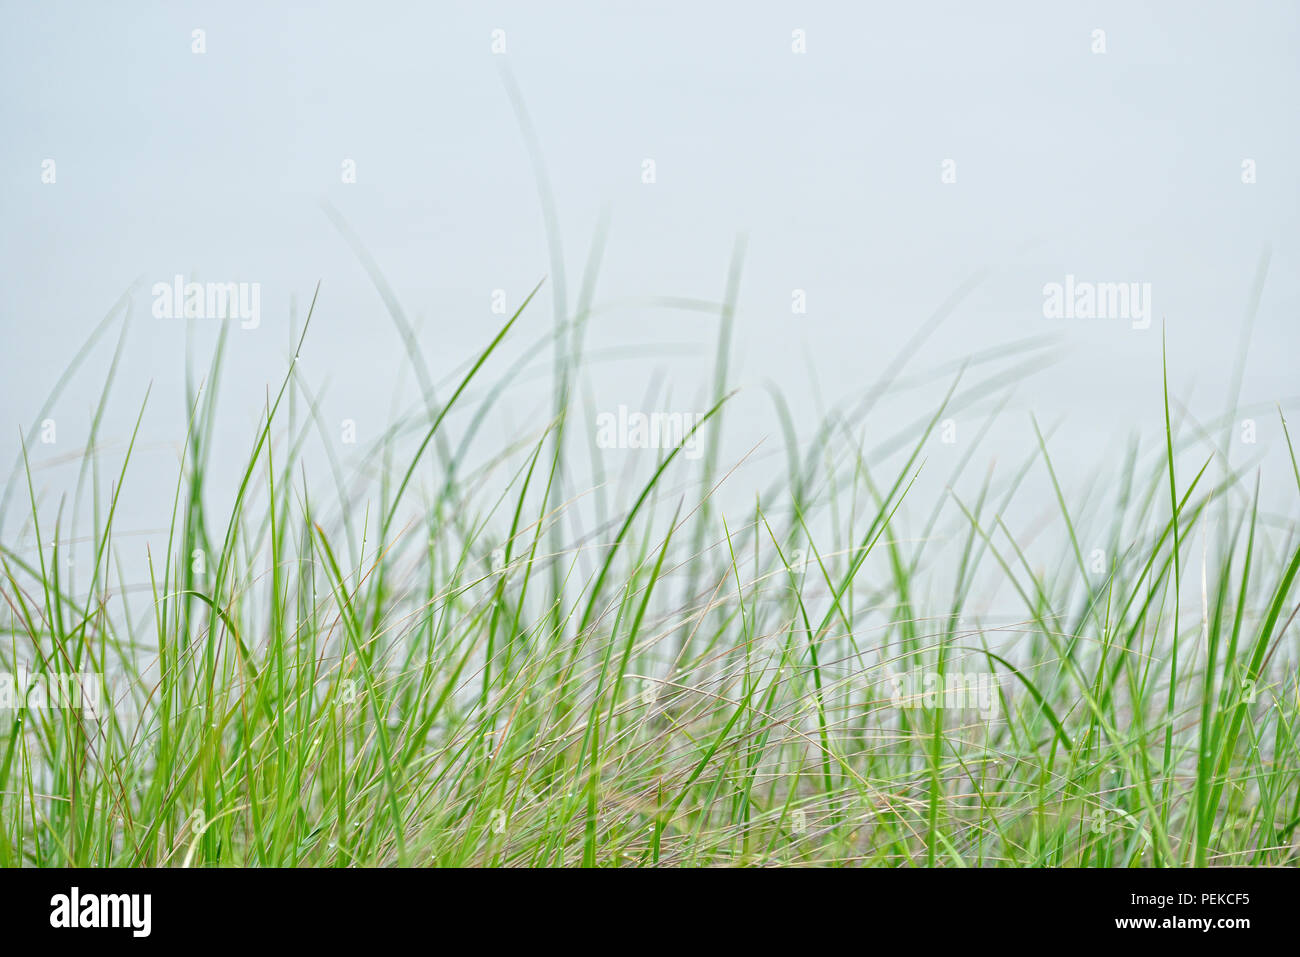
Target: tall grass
(467,673)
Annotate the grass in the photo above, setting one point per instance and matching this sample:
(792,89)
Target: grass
(434,662)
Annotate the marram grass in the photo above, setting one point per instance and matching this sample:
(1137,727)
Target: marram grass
(452,671)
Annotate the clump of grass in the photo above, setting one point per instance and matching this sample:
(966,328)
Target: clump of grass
(472,678)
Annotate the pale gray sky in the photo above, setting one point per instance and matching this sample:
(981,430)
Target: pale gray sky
(1122,166)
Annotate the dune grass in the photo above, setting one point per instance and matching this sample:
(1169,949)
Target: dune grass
(397,661)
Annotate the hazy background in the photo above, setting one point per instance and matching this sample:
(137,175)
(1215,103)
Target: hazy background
(1115,167)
